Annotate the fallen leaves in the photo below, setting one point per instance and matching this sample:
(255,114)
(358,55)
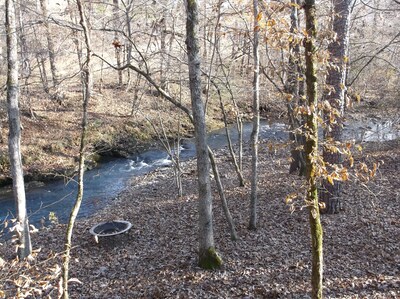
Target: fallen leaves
(158,257)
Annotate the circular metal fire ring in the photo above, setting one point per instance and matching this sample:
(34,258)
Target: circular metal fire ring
(110,228)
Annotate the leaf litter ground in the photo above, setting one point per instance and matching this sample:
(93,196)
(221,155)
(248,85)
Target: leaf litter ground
(157,257)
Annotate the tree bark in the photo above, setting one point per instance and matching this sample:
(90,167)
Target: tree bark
(14,139)
(208,256)
(256,122)
(50,44)
(87,91)
(228,216)
(237,162)
(75,35)
(25,72)
(336,80)
(116,42)
(215,48)
(163,49)
(293,88)
(311,149)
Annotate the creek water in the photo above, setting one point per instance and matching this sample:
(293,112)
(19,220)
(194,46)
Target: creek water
(106,181)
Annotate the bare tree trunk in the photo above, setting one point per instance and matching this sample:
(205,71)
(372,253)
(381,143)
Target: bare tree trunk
(214,49)
(87,90)
(336,80)
(101,79)
(117,42)
(238,163)
(42,70)
(311,150)
(14,139)
(256,122)
(25,58)
(230,145)
(293,88)
(224,202)
(205,30)
(75,37)
(50,45)
(128,7)
(163,36)
(208,256)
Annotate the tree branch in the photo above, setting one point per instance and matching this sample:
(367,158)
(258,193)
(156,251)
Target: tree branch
(373,57)
(149,79)
(380,9)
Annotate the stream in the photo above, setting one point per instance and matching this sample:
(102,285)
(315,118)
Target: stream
(106,181)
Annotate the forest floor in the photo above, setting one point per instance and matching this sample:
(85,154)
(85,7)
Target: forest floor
(157,257)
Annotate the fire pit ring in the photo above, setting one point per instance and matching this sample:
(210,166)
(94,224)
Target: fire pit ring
(110,228)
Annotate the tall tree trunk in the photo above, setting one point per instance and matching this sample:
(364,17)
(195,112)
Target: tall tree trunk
(293,88)
(50,45)
(117,43)
(163,37)
(25,62)
(14,139)
(215,43)
(311,149)
(228,216)
(205,30)
(128,7)
(336,80)
(25,57)
(87,90)
(229,140)
(75,34)
(208,256)
(238,163)
(256,122)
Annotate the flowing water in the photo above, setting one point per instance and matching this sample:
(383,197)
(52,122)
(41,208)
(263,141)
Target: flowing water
(103,183)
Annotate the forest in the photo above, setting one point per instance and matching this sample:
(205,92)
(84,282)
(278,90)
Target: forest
(199,149)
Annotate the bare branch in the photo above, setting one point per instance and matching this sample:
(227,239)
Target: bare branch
(380,9)
(271,80)
(149,79)
(132,43)
(373,57)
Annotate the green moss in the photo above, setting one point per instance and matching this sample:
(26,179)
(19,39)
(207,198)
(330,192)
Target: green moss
(210,259)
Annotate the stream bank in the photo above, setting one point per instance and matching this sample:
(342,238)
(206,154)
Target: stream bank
(105,181)
(157,257)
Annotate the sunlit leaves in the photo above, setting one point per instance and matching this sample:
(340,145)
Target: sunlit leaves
(289,97)
(274,23)
(32,278)
(259,16)
(290,197)
(365,173)
(271,23)
(292,4)
(351,161)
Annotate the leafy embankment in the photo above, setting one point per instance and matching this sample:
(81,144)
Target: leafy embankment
(157,257)
(50,138)
(119,125)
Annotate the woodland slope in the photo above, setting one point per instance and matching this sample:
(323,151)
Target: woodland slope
(157,257)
